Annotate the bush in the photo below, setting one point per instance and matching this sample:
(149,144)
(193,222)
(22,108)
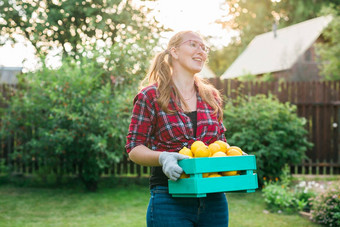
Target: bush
(269,129)
(326,206)
(70,120)
(280,195)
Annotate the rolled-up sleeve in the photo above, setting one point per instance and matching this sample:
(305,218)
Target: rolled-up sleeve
(222,132)
(142,122)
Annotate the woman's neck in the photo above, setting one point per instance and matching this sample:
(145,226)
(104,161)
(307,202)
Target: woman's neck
(185,83)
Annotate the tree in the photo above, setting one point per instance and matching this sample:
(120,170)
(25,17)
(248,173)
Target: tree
(77,114)
(293,11)
(75,26)
(329,50)
(221,59)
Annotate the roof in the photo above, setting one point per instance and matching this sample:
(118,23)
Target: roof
(8,74)
(206,72)
(266,53)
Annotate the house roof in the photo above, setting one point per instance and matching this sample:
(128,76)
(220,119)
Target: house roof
(8,75)
(206,72)
(267,53)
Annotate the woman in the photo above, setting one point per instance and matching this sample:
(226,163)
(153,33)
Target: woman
(174,110)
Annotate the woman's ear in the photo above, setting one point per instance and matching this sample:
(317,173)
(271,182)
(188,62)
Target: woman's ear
(173,53)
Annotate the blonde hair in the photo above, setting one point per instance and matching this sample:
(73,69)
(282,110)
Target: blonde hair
(160,73)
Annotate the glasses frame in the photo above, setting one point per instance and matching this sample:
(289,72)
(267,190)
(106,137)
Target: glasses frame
(200,45)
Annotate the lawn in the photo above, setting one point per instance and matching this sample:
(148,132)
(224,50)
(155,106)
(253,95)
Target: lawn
(122,203)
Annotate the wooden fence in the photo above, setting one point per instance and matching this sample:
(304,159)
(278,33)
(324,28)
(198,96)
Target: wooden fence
(318,102)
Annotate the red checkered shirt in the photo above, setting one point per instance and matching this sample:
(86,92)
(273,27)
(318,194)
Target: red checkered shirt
(152,127)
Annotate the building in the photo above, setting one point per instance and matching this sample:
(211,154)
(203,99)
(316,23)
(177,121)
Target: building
(287,53)
(206,73)
(8,75)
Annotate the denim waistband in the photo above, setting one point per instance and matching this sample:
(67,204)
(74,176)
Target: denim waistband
(159,189)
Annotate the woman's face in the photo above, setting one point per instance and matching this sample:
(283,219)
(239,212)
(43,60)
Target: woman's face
(191,53)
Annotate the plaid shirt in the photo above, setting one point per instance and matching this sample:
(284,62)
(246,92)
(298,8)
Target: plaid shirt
(152,127)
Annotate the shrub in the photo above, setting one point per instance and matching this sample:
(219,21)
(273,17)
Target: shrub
(269,129)
(281,195)
(326,206)
(73,119)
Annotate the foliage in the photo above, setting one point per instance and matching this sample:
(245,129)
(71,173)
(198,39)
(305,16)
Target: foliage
(269,129)
(3,166)
(247,77)
(252,18)
(219,61)
(74,26)
(280,196)
(329,50)
(326,206)
(295,11)
(73,119)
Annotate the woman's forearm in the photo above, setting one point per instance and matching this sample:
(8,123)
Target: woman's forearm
(144,156)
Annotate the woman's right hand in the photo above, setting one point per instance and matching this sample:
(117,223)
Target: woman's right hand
(169,163)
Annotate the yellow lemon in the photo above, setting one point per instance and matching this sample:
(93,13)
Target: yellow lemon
(214,175)
(229,173)
(202,151)
(213,148)
(196,145)
(219,154)
(184,175)
(234,151)
(224,146)
(204,175)
(186,151)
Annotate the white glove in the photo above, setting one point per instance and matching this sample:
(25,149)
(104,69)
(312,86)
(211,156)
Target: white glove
(169,162)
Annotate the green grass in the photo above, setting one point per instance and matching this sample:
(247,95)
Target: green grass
(117,204)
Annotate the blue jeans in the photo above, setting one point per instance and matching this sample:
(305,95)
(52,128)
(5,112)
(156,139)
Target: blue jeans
(165,210)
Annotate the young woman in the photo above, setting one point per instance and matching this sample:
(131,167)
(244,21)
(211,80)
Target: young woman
(175,109)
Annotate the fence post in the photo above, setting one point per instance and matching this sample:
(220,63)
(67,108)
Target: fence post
(317,167)
(331,169)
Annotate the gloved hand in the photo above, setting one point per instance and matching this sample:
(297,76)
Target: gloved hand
(169,162)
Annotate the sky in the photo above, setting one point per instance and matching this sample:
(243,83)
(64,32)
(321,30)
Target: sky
(195,15)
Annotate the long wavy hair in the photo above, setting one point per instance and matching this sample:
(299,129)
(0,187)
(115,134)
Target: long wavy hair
(160,73)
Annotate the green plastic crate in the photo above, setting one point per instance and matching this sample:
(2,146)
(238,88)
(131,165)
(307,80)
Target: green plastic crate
(197,186)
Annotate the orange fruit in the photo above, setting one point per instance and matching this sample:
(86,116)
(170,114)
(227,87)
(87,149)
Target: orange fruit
(219,154)
(213,148)
(196,145)
(186,151)
(202,151)
(224,146)
(234,151)
(229,173)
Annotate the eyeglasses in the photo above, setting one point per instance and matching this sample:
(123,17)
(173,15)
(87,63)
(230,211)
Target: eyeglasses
(196,44)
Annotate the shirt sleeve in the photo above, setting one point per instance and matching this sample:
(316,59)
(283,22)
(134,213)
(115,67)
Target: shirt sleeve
(222,132)
(142,122)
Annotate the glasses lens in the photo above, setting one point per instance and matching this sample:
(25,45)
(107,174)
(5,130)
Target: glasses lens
(196,44)
(203,47)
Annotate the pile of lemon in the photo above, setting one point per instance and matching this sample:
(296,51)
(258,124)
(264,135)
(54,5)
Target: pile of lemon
(218,148)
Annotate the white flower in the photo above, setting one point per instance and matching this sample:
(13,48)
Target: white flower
(302,184)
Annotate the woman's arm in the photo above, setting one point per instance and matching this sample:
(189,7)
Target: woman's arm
(169,160)
(144,156)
